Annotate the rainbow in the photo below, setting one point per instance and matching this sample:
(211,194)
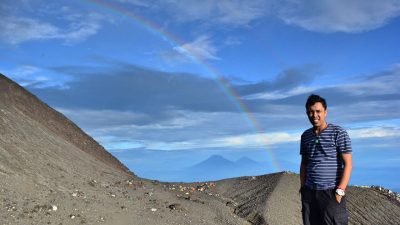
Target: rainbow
(175,41)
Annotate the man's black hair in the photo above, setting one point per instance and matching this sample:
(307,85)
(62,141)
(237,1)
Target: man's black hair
(312,99)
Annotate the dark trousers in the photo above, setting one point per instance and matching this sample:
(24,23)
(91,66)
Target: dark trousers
(321,208)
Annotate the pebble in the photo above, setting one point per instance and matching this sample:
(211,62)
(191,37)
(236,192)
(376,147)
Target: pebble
(175,206)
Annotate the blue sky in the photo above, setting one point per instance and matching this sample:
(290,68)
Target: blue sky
(214,77)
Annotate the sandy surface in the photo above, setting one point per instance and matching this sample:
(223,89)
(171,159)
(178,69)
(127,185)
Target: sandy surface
(53,173)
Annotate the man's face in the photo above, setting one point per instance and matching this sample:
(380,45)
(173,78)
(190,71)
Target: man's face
(317,114)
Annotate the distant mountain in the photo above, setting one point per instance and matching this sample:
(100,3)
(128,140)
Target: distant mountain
(213,162)
(246,161)
(217,167)
(214,167)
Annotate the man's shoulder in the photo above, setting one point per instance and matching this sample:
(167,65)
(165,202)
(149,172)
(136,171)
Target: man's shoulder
(309,130)
(335,128)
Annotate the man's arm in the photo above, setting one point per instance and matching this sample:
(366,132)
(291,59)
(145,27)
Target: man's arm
(303,170)
(348,166)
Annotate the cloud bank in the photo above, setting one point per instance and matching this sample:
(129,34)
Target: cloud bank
(26,21)
(347,16)
(158,110)
(338,16)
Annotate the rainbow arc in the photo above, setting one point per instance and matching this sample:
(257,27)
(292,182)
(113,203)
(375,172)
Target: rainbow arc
(172,39)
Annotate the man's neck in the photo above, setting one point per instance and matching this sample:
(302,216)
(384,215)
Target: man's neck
(318,130)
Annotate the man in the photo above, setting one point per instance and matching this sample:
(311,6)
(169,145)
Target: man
(325,170)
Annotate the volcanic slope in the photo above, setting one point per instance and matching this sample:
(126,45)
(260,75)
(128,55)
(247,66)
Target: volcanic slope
(51,172)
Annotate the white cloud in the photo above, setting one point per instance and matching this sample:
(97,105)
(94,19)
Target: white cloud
(260,140)
(201,48)
(16,30)
(232,41)
(81,30)
(240,12)
(383,83)
(275,95)
(116,144)
(350,16)
(28,75)
(375,132)
(245,141)
(263,140)
(128,124)
(142,3)
(25,71)
(228,12)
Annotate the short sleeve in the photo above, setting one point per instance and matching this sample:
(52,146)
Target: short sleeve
(343,142)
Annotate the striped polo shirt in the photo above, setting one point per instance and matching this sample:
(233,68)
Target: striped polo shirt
(324,166)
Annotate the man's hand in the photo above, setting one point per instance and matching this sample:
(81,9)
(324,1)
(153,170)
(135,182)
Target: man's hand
(338,198)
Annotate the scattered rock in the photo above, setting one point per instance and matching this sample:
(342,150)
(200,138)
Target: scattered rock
(92,183)
(175,206)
